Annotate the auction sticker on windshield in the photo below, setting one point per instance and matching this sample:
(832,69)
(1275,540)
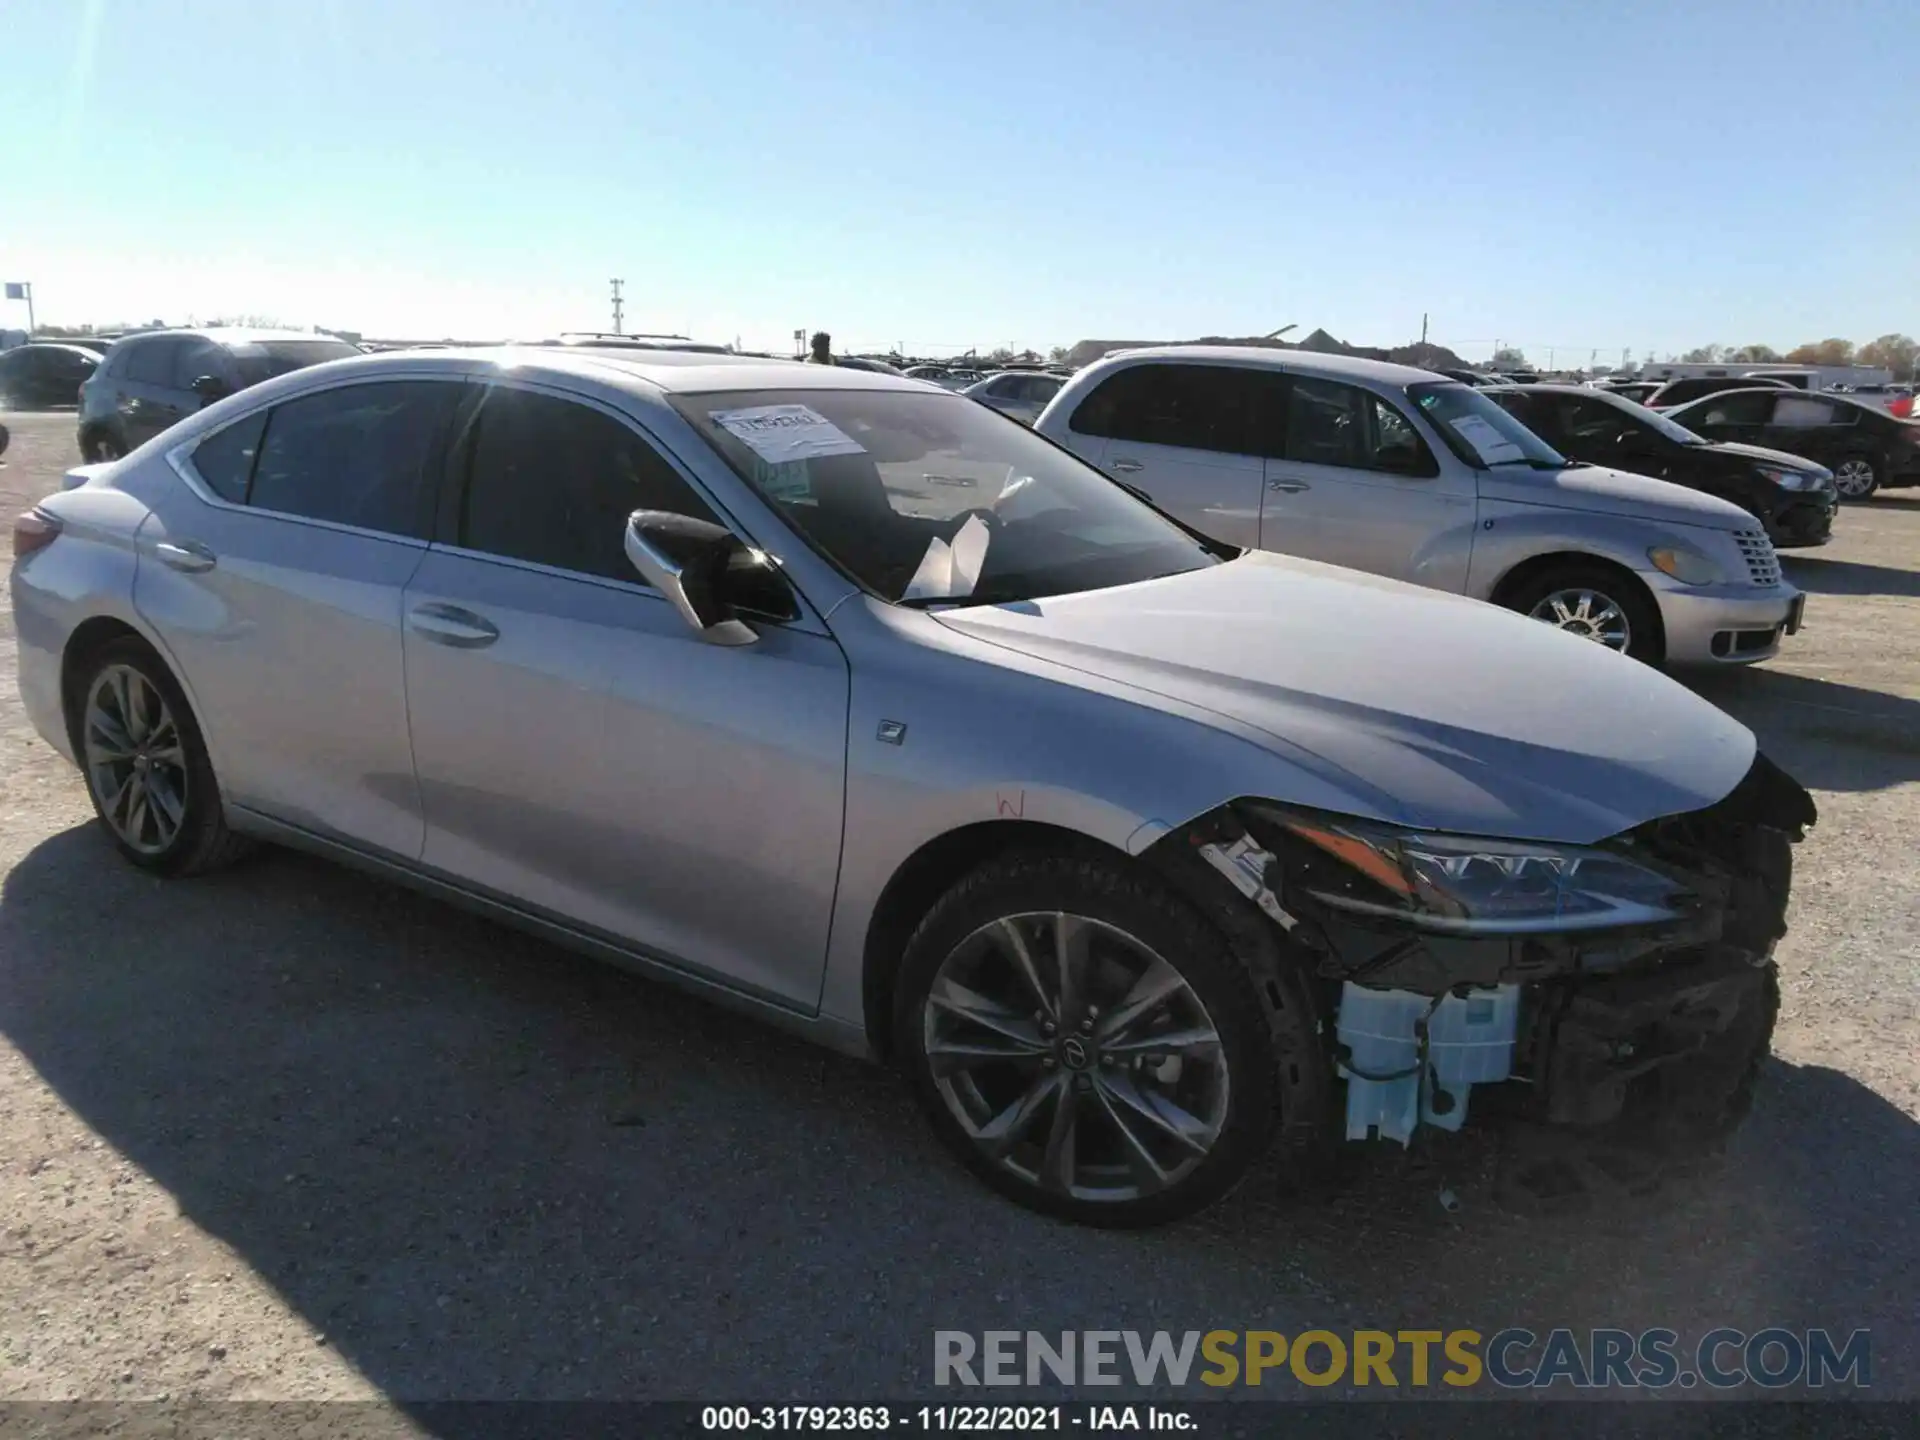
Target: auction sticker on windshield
(782,433)
(1492,447)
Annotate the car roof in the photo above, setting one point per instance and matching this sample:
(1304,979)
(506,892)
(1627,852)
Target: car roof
(79,348)
(673,371)
(1299,362)
(231,335)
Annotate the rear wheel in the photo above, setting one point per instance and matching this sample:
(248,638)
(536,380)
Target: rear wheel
(1605,606)
(1856,477)
(101,446)
(1085,1043)
(146,765)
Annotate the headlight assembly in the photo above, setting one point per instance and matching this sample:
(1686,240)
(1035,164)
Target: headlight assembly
(1689,567)
(1470,885)
(1793,479)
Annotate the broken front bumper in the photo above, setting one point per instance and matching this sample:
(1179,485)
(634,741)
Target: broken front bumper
(1653,1030)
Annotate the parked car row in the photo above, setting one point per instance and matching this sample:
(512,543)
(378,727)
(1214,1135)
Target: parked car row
(1408,475)
(844,700)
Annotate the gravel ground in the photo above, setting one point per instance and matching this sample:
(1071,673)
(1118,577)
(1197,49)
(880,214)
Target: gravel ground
(291,1133)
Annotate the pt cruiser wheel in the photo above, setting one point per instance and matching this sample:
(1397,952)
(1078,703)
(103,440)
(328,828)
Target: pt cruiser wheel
(1085,1043)
(145,764)
(1595,604)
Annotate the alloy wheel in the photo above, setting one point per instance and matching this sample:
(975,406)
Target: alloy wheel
(135,760)
(1588,614)
(1854,478)
(1076,1058)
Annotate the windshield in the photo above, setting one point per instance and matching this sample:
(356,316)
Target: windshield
(1656,420)
(1479,431)
(263,359)
(927,498)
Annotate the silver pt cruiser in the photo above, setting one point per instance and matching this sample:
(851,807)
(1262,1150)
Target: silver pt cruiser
(853,703)
(1410,475)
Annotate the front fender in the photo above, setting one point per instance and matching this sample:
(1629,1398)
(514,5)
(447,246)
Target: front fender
(1510,535)
(953,733)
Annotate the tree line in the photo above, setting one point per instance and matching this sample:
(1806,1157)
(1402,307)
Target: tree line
(1895,352)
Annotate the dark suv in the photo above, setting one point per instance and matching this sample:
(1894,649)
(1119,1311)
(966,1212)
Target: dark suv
(38,377)
(151,380)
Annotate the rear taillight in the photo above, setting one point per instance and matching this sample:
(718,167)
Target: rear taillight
(33,531)
(1902,407)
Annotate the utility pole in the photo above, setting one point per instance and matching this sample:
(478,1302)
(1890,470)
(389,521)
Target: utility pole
(617,309)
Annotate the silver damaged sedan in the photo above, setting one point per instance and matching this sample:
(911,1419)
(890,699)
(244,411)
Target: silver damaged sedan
(850,702)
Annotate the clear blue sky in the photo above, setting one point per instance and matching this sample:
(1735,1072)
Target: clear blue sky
(945,173)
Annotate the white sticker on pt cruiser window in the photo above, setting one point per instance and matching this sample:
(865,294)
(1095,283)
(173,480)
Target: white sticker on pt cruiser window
(1492,447)
(783,433)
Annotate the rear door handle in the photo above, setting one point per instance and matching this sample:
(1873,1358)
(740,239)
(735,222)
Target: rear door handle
(1288,487)
(188,555)
(1127,467)
(450,625)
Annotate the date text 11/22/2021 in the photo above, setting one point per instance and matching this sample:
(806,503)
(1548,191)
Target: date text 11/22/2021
(962,1419)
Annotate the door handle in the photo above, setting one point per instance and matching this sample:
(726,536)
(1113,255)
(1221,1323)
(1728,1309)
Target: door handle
(189,555)
(1127,467)
(450,625)
(1288,487)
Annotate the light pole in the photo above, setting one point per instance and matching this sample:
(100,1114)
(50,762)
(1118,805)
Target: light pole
(1276,334)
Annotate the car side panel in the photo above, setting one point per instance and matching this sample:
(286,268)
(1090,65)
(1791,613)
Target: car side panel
(88,573)
(292,642)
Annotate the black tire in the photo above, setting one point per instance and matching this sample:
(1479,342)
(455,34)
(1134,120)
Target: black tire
(1646,640)
(201,841)
(1861,471)
(1112,894)
(101,446)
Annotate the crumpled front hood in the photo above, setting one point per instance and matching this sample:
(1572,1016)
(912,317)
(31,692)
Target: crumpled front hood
(1600,491)
(1430,709)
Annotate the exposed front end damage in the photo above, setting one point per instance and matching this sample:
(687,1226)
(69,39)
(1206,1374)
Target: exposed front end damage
(1622,991)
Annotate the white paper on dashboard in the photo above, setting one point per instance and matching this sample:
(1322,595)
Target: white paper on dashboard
(949,572)
(783,433)
(1492,446)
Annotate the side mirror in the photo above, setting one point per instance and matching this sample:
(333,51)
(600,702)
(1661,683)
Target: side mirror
(4,439)
(687,561)
(210,388)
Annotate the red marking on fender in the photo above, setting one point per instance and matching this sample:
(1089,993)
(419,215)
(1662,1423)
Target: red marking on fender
(1016,808)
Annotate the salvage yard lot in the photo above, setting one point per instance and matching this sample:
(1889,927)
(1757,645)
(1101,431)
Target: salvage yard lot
(288,1132)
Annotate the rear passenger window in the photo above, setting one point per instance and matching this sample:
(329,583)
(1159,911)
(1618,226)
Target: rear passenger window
(356,456)
(552,482)
(224,460)
(191,361)
(150,363)
(1230,409)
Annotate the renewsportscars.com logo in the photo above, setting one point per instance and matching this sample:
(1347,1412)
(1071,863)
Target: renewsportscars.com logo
(1514,1359)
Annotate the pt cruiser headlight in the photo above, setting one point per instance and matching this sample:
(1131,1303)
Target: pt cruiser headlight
(1689,567)
(1469,885)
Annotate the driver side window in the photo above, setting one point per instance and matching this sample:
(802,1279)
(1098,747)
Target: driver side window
(1342,425)
(552,482)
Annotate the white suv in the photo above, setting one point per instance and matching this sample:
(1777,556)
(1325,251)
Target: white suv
(1410,475)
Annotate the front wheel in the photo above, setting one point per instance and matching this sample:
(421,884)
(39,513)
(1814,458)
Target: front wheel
(1597,604)
(1085,1043)
(1856,477)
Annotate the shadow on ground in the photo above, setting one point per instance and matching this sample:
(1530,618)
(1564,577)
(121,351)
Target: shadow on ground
(486,1169)
(1830,736)
(1821,576)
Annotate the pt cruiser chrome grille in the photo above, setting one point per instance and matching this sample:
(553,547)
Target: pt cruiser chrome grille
(1763,566)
